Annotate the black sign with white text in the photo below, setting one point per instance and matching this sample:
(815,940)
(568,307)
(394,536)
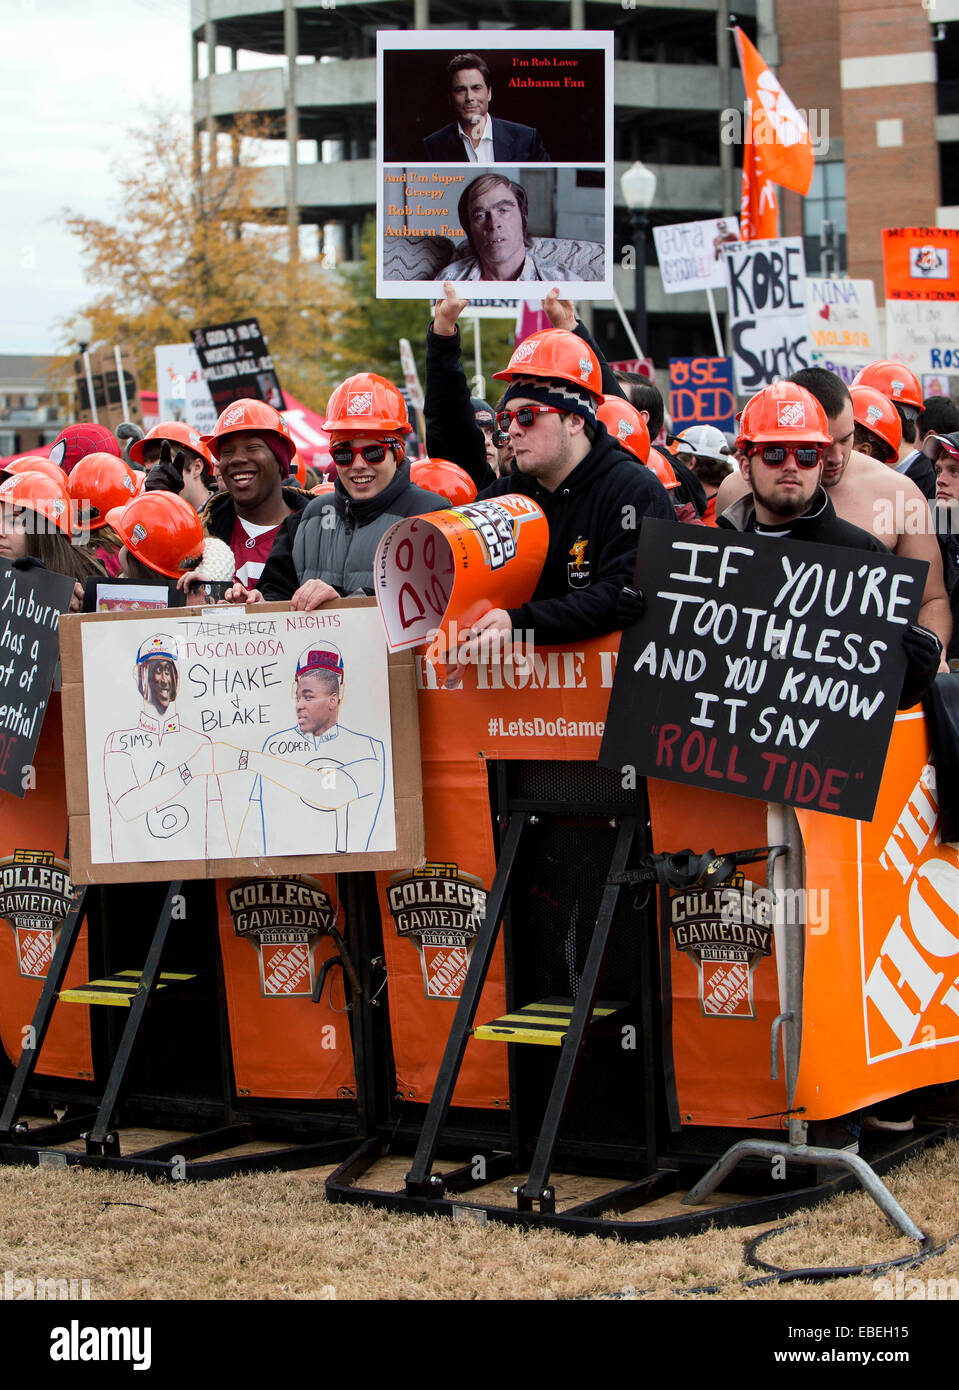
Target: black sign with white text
(763,667)
(31,602)
(236,364)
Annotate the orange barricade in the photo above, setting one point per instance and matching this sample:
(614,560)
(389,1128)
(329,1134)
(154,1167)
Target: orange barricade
(35,896)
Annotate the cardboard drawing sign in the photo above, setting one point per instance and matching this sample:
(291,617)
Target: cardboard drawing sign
(236,363)
(766,668)
(436,574)
(182,391)
(31,602)
(215,736)
(498,174)
(769,325)
(691,254)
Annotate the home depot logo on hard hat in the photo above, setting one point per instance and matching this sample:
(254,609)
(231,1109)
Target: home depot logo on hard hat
(359,402)
(791,414)
(525,351)
(233,417)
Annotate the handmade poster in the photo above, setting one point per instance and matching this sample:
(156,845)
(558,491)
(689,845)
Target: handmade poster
(921,263)
(439,573)
(924,334)
(765,668)
(691,254)
(498,170)
(182,392)
(31,602)
(701,393)
(843,324)
(769,323)
(236,363)
(224,735)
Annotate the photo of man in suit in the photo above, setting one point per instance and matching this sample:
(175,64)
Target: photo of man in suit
(475,135)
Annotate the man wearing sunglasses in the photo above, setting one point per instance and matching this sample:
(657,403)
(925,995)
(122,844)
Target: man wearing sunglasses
(327,550)
(784,434)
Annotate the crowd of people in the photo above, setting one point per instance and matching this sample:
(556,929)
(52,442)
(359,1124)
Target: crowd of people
(236,517)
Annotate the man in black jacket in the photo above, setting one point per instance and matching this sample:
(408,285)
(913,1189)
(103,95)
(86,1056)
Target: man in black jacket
(592,494)
(475,135)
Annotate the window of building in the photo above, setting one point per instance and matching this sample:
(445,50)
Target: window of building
(824,220)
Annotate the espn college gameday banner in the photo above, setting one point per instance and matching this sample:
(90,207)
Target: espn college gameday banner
(35,897)
(431,916)
(273,943)
(725,993)
(881,988)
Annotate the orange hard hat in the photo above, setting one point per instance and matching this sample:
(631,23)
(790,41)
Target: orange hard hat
(177,432)
(254,417)
(100,482)
(626,425)
(662,468)
(783,412)
(367,402)
(39,493)
(161,530)
(894,381)
(322,489)
(877,414)
(298,469)
(446,478)
(557,354)
(35,463)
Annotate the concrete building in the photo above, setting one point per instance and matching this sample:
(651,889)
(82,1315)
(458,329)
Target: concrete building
(310,69)
(36,402)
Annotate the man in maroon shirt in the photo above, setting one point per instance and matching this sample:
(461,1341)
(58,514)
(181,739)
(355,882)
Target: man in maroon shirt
(253,447)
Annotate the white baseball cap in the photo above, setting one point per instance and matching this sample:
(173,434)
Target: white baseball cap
(706,441)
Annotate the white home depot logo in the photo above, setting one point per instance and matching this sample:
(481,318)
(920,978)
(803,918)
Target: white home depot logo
(791,414)
(911,985)
(359,402)
(233,416)
(524,352)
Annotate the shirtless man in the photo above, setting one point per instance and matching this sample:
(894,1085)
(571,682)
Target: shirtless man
(870,495)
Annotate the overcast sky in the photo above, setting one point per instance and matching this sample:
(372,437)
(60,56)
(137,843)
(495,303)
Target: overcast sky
(75,78)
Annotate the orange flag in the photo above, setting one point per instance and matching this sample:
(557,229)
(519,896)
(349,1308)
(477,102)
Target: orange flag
(779,134)
(759,212)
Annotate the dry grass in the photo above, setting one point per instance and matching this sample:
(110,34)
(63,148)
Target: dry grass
(274,1236)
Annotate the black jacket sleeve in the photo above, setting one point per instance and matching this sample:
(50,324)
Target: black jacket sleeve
(611,386)
(602,607)
(451,429)
(278,582)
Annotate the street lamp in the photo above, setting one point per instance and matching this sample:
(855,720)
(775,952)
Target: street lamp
(639,189)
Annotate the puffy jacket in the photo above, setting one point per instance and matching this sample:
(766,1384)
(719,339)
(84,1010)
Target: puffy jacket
(335,538)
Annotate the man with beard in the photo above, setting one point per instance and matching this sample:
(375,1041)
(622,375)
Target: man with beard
(868,494)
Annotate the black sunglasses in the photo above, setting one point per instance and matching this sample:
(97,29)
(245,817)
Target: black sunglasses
(344,454)
(806,455)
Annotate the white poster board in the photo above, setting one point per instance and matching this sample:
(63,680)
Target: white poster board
(182,392)
(924,333)
(768,320)
(843,324)
(204,743)
(531,202)
(691,254)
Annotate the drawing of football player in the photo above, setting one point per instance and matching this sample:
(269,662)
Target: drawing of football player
(162,802)
(323,765)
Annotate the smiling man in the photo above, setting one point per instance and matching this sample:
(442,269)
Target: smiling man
(253,449)
(326,551)
(475,135)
